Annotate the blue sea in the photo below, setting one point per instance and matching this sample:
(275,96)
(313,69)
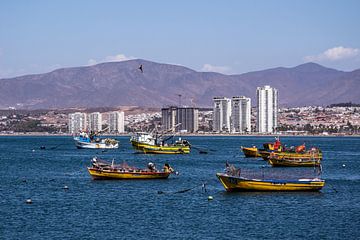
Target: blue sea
(105,209)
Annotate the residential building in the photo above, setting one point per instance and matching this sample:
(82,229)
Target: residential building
(267,109)
(77,122)
(183,119)
(240,114)
(116,122)
(221,114)
(95,122)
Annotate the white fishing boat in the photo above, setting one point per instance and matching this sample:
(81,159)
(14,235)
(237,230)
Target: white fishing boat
(94,142)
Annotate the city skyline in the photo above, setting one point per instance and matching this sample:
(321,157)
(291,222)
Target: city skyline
(41,36)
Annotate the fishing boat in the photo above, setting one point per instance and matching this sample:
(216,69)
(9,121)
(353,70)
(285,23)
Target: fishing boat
(232,180)
(140,139)
(237,183)
(309,158)
(179,147)
(250,151)
(92,141)
(271,147)
(149,143)
(101,169)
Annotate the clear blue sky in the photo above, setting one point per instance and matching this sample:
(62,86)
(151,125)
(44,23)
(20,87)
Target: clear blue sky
(226,36)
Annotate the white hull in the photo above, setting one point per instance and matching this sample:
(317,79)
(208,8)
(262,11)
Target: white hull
(95,145)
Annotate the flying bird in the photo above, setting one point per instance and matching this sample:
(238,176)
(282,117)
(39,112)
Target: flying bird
(141,68)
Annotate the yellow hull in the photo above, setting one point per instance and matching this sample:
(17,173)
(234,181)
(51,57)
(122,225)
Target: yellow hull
(138,145)
(166,149)
(232,183)
(108,174)
(294,162)
(148,148)
(250,152)
(291,155)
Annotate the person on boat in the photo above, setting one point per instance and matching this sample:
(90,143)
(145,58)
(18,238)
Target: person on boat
(300,148)
(277,145)
(151,167)
(167,168)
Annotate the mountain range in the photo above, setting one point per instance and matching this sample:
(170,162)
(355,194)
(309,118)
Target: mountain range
(114,84)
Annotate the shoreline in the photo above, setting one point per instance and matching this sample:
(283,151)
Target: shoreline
(37,134)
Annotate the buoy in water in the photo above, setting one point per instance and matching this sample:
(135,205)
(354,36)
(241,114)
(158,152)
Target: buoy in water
(29,201)
(210,198)
(66,187)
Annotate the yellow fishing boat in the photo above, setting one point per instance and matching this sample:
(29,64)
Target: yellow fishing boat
(141,139)
(237,183)
(309,158)
(250,151)
(172,149)
(295,161)
(104,170)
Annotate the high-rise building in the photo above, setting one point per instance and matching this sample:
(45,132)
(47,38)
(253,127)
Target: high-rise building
(77,122)
(240,114)
(267,109)
(116,122)
(180,119)
(221,114)
(95,122)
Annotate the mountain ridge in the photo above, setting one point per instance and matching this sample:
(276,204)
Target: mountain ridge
(122,83)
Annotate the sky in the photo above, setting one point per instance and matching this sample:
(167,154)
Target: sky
(230,37)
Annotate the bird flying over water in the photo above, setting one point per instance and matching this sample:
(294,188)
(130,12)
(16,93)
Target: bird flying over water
(141,68)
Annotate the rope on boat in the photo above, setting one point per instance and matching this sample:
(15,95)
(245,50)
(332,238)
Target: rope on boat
(203,188)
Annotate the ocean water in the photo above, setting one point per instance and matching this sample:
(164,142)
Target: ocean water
(108,209)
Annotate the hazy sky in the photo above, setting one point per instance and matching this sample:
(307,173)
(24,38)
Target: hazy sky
(223,36)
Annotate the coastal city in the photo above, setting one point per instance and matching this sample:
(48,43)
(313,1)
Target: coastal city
(234,115)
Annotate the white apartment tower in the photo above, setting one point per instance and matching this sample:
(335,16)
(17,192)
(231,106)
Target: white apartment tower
(221,114)
(116,122)
(240,114)
(95,122)
(267,109)
(77,122)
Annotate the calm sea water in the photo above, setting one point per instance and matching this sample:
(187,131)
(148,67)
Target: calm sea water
(134,210)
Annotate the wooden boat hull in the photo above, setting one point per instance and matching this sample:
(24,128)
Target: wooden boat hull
(250,152)
(108,174)
(294,162)
(234,183)
(166,149)
(266,155)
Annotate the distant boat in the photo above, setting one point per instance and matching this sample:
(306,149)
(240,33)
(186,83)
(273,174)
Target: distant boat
(104,170)
(94,142)
(148,143)
(250,151)
(294,161)
(308,158)
(177,148)
(140,139)
(232,180)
